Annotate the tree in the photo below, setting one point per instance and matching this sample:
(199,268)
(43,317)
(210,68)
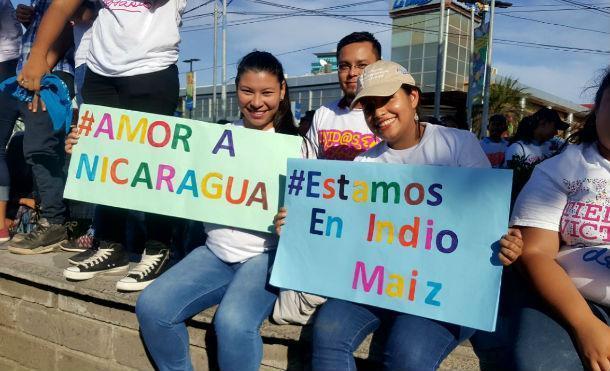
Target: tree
(504,98)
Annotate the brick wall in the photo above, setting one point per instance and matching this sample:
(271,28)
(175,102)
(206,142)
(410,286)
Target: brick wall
(47,323)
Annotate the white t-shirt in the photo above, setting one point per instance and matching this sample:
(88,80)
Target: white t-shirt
(438,146)
(532,152)
(494,151)
(10,32)
(82,41)
(340,133)
(234,245)
(570,194)
(135,37)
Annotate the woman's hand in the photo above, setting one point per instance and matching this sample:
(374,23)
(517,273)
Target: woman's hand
(511,246)
(71,140)
(33,71)
(280,219)
(593,341)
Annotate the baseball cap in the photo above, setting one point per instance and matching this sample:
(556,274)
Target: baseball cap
(382,79)
(551,115)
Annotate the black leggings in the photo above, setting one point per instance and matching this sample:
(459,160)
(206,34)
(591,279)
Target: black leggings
(156,93)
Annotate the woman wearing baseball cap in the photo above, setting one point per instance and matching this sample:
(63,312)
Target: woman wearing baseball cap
(390,98)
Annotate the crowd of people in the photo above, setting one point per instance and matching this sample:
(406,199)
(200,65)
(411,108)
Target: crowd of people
(557,306)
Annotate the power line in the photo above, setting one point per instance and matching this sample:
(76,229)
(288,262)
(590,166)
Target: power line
(553,24)
(320,12)
(197,7)
(585,6)
(551,10)
(558,47)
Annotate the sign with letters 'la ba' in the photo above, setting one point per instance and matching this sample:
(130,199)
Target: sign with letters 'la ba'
(415,239)
(174,166)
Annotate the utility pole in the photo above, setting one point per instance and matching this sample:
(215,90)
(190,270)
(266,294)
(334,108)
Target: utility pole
(224,59)
(485,115)
(439,63)
(215,65)
(471,69)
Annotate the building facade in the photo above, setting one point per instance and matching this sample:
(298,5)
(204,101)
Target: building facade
(415,37)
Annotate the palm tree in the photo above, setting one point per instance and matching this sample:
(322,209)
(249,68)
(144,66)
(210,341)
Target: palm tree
(504,98)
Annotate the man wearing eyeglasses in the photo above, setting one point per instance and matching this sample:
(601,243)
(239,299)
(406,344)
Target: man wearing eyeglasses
(338,133)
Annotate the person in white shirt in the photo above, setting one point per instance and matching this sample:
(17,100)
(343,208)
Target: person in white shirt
(338,133)
(534,140)
(233,266)
(389,99)
(131,64)
(494,145)
(564,215)
(10,40)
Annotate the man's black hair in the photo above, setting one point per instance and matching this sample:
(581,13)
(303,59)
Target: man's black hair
(358,37)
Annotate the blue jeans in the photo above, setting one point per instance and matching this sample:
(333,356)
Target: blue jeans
(542,340)
(413,343)
(200,281)
(79,81)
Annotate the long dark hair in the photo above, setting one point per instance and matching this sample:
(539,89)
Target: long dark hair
(588,133)
(409,89)
(258,61)
(525,131)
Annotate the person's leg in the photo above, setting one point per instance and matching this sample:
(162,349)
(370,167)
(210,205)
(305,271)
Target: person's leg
(420,344)
(195,283)
(338,330)
(156,93)
(541,341)
(10,113)
(108,222)
(79,81)
(43,148)
(44,151)
(244,307)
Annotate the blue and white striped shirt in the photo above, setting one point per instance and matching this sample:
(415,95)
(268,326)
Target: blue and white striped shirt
(66,64)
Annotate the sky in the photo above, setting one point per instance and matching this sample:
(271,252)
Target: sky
(562,73)
(294,38)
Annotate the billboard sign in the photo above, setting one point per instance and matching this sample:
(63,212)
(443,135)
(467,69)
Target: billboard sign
(396,5)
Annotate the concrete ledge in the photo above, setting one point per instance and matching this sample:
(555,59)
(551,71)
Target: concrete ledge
(48,323)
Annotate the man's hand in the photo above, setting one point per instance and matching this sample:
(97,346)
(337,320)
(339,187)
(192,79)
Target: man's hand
(24,14)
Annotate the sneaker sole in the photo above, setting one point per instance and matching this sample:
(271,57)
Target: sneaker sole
(132,286)
(81,276)
(72,249)
(38,250)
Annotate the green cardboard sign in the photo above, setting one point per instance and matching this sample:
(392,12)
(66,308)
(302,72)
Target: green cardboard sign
(173,166)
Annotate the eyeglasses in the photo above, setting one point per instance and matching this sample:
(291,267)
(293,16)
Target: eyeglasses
(345,67)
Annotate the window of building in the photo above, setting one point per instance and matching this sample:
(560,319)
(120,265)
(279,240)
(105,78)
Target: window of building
(429,64)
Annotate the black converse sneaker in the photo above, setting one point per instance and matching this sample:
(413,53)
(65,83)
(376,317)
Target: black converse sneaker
(83,255)
(45,237)
(154,262)
(109,258)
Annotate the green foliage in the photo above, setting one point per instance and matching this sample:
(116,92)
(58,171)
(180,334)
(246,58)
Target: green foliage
(504,98)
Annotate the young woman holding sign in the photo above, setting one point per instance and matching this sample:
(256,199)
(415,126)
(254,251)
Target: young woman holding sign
(390,99)
(232,268)
(564,215)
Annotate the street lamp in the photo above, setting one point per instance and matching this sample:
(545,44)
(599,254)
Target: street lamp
(190,62)
(191,94)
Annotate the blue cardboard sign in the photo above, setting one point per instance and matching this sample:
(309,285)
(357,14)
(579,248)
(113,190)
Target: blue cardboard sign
(414,239)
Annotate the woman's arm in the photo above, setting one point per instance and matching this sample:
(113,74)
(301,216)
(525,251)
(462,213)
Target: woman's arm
(554,285)
(51,27)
